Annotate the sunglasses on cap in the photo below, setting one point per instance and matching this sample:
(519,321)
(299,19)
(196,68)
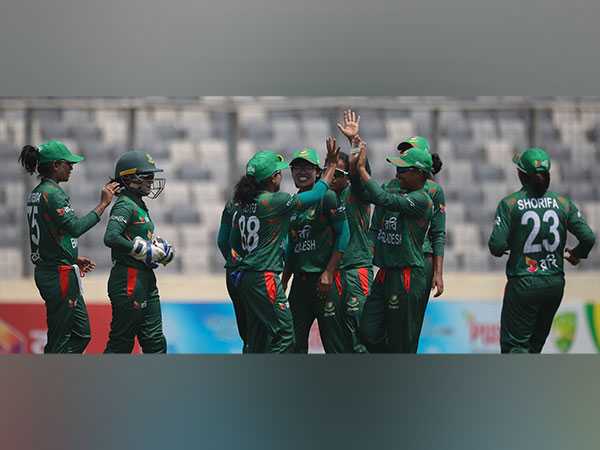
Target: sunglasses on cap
(340,173)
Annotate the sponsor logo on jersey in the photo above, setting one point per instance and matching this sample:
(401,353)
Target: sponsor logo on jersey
(390,223)
(533,203)
(73,242)
(118,219)
(564,327)
(442,209)
(62,211)
(72,303)
(304,232)
(532,264)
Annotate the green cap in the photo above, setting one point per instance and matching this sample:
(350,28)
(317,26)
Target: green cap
(308,154)
(56,151)
(533,160)
(413,157)
(264,164)
(413,141)
(135,162)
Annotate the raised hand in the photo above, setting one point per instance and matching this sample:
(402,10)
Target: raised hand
(333,151)
(350,125)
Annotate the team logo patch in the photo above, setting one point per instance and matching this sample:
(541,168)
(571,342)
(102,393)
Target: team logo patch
(73,303)
(329,309)
(394,302)
(149,159)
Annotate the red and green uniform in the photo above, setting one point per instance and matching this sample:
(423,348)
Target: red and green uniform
(534,230)
(314,234)
(53,232)
(230,269)
(390,316)
(435,241)
(356,267)
(260,232)
(132,284)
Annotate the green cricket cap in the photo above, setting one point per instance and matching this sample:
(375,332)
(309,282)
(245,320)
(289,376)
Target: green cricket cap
(413,157)
(264,164)
(413,141)
(56,151)
(308,154)
(533,160)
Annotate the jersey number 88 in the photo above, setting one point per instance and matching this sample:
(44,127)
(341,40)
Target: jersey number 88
(249,231)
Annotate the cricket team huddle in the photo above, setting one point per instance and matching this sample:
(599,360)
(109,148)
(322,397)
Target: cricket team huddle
(325,239)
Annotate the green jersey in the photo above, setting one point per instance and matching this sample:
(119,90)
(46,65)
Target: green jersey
(359,251)
(128,219)
(223,238)
(312,236)
(435,239)
(260,228)
(534,231)
(400,223)
(53,225)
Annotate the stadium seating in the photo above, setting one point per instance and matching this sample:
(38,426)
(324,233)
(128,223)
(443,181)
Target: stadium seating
(476,144)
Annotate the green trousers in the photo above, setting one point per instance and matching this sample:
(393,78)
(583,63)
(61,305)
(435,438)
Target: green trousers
(269,322)
(528,310)
(355,287)
(424,300)
(135,311)
(238,308)
(66,313)
(390,316)
(307,305)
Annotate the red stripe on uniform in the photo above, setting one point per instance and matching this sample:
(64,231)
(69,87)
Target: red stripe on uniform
(406,276)
(63,279)
(338,282)
(363,277)
(380,276)
(131,280)
(271,286)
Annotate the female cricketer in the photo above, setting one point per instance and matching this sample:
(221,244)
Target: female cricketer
(223,243)
(356,267)
(531,225)
(435,239)
(53,231)
(260,229)
(317,240)
(390,316)
(136,251)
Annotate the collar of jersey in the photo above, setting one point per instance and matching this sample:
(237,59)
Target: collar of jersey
(134,198)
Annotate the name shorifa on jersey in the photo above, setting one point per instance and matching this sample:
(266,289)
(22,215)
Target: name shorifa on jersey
(534,203)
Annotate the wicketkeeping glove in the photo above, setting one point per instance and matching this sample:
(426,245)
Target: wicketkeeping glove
(167,248)
(147,252)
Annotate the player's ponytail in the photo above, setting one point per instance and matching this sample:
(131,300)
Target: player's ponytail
(437,163)
(29,158)
(246,190)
